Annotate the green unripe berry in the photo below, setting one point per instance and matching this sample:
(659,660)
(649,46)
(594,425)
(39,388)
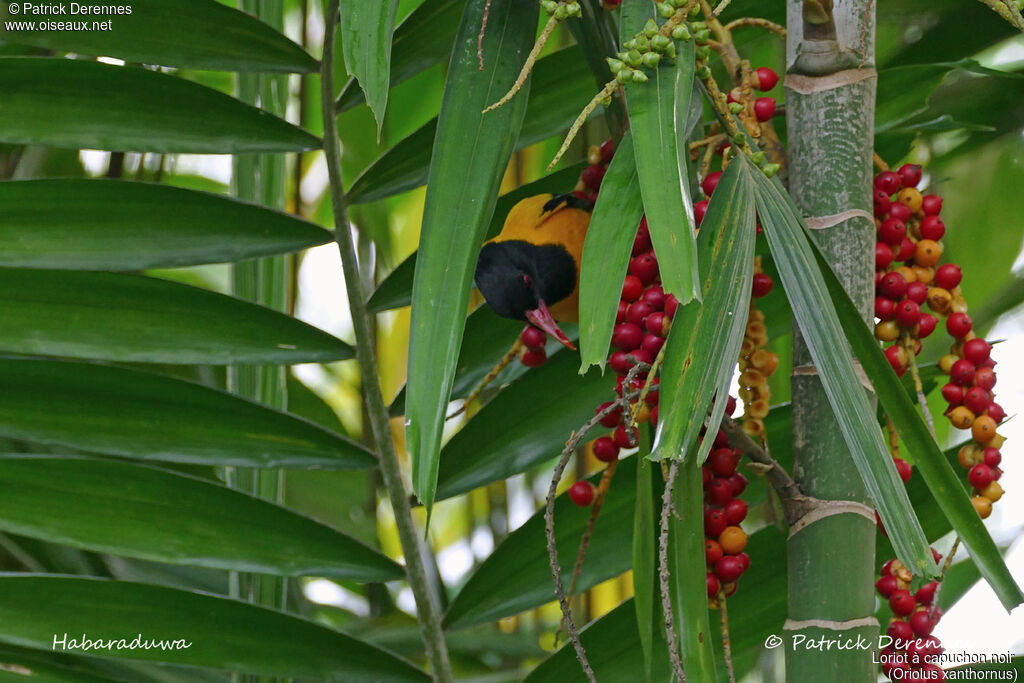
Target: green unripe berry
(642,44)
(680,3)
(660,42)
(651,60)
(629,44)
(624,76)
(549,6)
(639,77)
(735,107)
(770,170)
(574,9)
(623,56)
(681,33)
(698,25)
(561,13)
(670,51)
(694,14)
(615,65)
(702,35)
(666,10)
(650,28)
(757,157)
(703,72)
(634,58)
(703,52)
(739,138)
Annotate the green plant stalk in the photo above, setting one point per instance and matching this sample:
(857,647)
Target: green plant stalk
(832,560)
(427,602)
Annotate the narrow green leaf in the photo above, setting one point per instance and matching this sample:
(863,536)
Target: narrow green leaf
(366,29)
(688,585)
(221,633)
(396,289)
(470,153)
(76,103)
(658,111)
(152,514)
(517,575)
(523,426)
(130,318)
(606,253)
(118,225)
(938,474)
(558,92)
(645,551)
(200,34)
(706,335)
(816,315)
(155,417)
(18,664)
(423,39)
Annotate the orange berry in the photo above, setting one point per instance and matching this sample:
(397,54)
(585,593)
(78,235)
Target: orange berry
(927,253)
(961,417)
(910,198)
(983,505)
(733,540)
(969,456)
(939,299)
(993,491)
(908,273)
(983,429)
(925,275)
(887,331)
(946,363)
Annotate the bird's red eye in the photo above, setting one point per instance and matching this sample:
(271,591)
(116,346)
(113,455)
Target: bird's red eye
(528,280)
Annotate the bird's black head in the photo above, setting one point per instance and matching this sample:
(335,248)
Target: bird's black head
(517,277)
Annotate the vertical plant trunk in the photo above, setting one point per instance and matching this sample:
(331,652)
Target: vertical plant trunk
(830,96)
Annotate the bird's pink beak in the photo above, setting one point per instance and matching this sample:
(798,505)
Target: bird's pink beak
(541,317)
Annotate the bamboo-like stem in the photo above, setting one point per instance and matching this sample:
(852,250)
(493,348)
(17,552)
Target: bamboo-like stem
(531,59)
(758,23)
(427,602)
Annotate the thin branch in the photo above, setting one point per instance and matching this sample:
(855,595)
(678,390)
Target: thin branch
(531,59)
(793,499)
(427,603)
(726,645)
(907,343)
(495,371)
(880,162)
(758,23)
(663,574)
(607,91)
(721,7)
(1003,10)
(480,37)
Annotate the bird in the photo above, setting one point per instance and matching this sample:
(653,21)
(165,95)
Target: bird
(530,271)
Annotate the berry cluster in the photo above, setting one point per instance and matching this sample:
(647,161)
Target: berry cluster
(908,277)
(764,107)
(724,540)
(913,647)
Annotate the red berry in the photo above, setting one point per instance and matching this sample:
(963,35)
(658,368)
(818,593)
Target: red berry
(900,630)
(620,362)
(654,296)
(953,394)
(605,449)
(980,476)
(992,457)
(712,551)
(620,314)
(926,593)
(723,461)
(996,412)
(652,343)
(884,308)
(641,356)
(917,292)
(888,182)
(627,336)
(764,108)
(699,211)
(735,511)
(892,231)
(637,311)
(926,325)
(671,304)
(645,267)
(533,357)
(608,147)
(892,354)
(713,585)
(624,439)
(921,623)
(882,204)
(729,568)
(962,373)
(985,377)
(892,285)
(762,285)
(738,483)
(948,276)
(883,255)
(732,96)
(710,182)
(582,493)
(908,313)
(996,473)
(651,398)
(744,560)
(931,204)
(642,241)
(719,491)
(936,555)
(886,586)
(932,228)
(612,419)
(655,323)
(958,325)
(654,415)
(977,400)
(592,176)
(977,350)
(632,288)
(900,212)
(730,408)
(906,250)
(902,602)
(766,78)
(721,439)
(533,338)
(904,469)
(714,522)
(910,174)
